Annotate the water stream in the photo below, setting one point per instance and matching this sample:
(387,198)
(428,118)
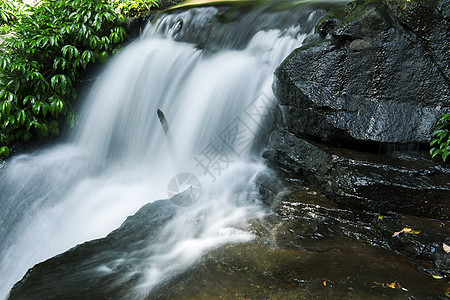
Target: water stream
(214,87)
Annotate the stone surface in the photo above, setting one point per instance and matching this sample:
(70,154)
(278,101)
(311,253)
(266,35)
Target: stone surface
(408,183)
(372,81)
(164,4)
(430,21)
(308,241)
(334,238)
(78,273)
(214,28)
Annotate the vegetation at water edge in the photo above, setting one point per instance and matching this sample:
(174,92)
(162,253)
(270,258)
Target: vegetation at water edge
(43,49)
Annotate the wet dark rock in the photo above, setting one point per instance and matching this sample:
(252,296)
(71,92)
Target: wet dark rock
(373,81)
(164,4)
(377,82)
(318,224)
(308,241)
(270,187)
(408,183)
(98,269)
(222,26)
(442,258)
(430,22)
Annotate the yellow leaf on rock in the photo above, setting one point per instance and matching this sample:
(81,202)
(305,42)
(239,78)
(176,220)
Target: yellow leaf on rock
(405,230)
(394,285)
(324,283)
(446,247)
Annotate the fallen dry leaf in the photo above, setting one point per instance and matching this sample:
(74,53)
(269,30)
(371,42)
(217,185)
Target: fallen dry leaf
(446,247)
(324,283)
(405,230)
(394,285)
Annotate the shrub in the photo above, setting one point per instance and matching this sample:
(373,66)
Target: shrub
(41,62)
(442,138)
(134,7)
(10,11)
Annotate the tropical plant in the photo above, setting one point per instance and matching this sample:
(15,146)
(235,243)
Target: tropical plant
(10,11)
(442,138)
(134,7)
(41,62)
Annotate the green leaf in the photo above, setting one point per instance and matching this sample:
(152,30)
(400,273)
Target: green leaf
(21,117)
(71,120)
(55,80)
(434,152)
(4,151)
(30,98)
(103,56)
(44,109)
(37,107)
(87,56)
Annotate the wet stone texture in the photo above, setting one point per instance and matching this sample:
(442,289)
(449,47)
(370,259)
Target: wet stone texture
(374,81)
(408,183)
(339,214)
(106,268)
(308,248)
(371,81)
(366,91)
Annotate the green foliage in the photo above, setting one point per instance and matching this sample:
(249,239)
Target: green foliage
(10,11)
(41,62)
(134,7)
(442,138)
(4,151)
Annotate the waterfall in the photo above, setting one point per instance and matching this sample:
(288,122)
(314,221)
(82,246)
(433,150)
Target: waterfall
(214,88)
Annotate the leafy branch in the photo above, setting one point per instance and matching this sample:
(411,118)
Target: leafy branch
(441,142)
(134,7)
(41,62)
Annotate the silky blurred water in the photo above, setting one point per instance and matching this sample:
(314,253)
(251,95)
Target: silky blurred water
(119,158)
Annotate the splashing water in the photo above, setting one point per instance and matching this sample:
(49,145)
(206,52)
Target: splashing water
(214,97)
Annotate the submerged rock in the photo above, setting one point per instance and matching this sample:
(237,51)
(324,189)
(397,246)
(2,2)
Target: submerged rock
(373,80)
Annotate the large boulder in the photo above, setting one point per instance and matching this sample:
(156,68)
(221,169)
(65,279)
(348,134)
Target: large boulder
(429,20)
(372,80)
(102,268)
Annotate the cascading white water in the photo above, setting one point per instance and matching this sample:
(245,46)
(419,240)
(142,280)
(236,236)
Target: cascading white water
(120,159)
